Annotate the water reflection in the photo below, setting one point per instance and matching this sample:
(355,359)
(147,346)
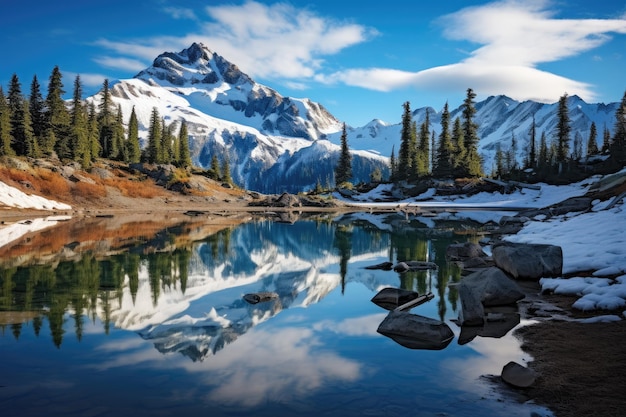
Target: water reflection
(170,306)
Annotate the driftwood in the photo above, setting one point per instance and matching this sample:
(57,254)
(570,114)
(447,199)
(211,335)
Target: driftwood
(415,302)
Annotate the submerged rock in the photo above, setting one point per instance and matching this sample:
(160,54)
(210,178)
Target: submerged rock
(416,332)
(260,297)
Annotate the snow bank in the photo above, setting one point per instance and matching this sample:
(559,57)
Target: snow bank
(12,197)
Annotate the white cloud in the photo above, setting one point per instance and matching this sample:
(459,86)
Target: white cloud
(515,36)
(180,13)
(274,41)
(121,63)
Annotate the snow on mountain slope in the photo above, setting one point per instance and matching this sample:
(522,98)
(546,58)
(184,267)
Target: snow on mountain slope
(276,144)
(228,115)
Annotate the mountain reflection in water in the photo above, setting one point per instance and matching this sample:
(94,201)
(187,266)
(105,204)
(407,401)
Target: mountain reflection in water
(313,349)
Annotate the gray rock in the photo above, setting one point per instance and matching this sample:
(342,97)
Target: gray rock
(528,261)
(391,298)
(463,251)
(517,375)
(260,297)
(494,287)
(471,312)
(416,332)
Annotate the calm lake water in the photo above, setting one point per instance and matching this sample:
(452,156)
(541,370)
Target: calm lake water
(158,326)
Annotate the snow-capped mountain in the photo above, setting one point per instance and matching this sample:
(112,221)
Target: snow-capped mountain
(276,144)
(231,116)
(499,118)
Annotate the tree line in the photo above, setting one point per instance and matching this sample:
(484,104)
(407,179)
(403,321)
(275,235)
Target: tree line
(453,153)
(34,126)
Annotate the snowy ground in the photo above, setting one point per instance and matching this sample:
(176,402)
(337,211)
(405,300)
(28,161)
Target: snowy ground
(593,241)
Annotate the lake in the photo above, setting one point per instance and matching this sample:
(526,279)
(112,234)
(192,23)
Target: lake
(102,317)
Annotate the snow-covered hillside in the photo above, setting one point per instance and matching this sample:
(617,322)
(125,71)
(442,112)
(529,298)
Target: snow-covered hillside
(275,143)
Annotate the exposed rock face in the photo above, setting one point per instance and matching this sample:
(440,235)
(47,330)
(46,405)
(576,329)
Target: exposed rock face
(528,261)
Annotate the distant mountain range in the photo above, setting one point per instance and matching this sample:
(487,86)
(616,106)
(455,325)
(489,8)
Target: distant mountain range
(276,144)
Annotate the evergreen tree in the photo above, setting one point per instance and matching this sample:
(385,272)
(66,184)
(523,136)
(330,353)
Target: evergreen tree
(563,130)
(5,126)
(119,137)
(215,166)
(37,108)
(459,151)
(618,145)
(184,156)
(473,163)
(393,165)
(153,150)
(106,120)
(577,152)
(57,116)
(32,147)
(423,148)
(433,151)
(93,132)
(443,166)
(133,150)
(343,170)
(606,140)
(165,148)
(500,169)
(532,146)
(592,142)
(513,154)
(80,147)
(543,159)
(16,114)
(226,171)
(404,155)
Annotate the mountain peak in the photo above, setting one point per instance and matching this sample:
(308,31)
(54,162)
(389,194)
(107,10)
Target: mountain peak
(194,65)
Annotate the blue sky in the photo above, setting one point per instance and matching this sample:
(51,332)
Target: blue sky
(361,60)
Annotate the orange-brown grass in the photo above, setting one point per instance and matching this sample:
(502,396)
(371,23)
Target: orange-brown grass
(52,184)
(142,189)
(87,190)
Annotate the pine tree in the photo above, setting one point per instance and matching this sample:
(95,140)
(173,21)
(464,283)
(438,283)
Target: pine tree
(57,116)
(165,154)
(513,154)
(473,163)
(16,114)
(133,150)
(423,148)
(543,160)
(226,171)
(5,127)
(393,165)
(32,147)
(80,148)
(618,145)
(592,142)
(37,108)
(215,167)
(404,155)
(343,170)
(184,156)
(154,137)
(562,133)
(532,146)
(459,151)
(606,140)
(443,165)
(577,152)
(106,121)
(500,169)
(119,137)
(93,132)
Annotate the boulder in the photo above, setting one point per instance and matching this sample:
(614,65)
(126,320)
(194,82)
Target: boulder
(472,312)
(414,266)
(416,332)
(517,375)
(463,251)
(391,298)
(385,266)
(528,261)
(493,286)
(260,297)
